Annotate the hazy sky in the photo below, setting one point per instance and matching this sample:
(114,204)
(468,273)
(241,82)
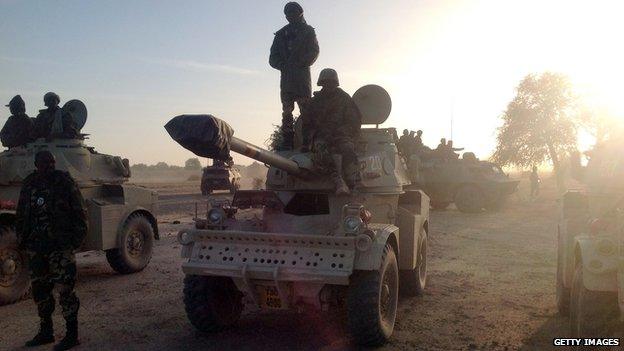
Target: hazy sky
(136,64)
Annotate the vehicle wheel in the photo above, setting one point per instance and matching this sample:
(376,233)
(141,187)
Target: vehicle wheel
(496,204)
(563,293)
(413,282)
(211,303)
(592,313)
(372,302)
(469,199)
(440,205)
(136,246)
(14,278)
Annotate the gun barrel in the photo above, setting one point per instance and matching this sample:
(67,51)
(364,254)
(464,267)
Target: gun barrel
(264,156)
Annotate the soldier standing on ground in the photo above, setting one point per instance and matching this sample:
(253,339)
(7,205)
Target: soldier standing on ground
(333,123)
(51,224)
(53,122)
(535,183)
(293,51)
(18,128)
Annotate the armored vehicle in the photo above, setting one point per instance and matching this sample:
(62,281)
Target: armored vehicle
(309,248)
(470,183)
(590,288)
(220,176)
(121,217)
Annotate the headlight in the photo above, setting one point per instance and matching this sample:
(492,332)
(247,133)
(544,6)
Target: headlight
(185,238)
(352,224)
(216,216)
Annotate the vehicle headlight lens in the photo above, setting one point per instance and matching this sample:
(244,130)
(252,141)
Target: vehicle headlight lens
(352,224)
(185,238)
(215,215)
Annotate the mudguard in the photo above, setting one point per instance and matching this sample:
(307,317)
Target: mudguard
(370,259)
(599,270)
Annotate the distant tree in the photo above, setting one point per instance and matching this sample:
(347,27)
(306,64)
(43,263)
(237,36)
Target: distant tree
(192,164)
(160,166)
(538,125)
(257,183)
(599,123)
(139,167)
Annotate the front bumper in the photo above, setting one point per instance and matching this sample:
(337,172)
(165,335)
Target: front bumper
(269,256)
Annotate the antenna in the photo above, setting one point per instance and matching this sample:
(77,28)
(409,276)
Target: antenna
(452,114)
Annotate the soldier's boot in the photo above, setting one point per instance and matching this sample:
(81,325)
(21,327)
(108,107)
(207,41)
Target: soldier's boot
(287,132)
(45,334)
(341,186)
(71,337)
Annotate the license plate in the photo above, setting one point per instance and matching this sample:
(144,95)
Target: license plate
(269,297)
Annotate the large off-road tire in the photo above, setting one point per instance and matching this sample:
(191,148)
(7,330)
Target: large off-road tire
(496,204)
(440,205)
(372,302)
(563,293)
(413,281)
(14,278)
(592,313)
(212,303)
(469,199)
(136,244)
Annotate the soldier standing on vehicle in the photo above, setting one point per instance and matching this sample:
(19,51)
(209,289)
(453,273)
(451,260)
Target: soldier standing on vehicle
(404,142)
(50,225)
(53,122)
(293,51)
(17,129)
(535,183)
(333,123)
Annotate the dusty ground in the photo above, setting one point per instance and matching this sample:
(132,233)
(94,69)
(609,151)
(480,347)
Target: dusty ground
(491,287)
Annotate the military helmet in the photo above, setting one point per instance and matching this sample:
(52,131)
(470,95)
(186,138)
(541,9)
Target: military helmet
(17,103)
(49,97)
(293,7)
(327,74)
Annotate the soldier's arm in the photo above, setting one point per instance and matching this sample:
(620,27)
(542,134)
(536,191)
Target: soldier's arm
(312,50)
(275,59)
(20,213)
(79,213)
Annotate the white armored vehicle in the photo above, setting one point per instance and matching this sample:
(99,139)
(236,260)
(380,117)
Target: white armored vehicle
(311,248)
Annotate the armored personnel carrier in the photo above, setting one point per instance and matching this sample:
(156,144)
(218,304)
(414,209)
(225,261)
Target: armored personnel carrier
(121,217)
(589,281)
(220,176)
(470,183)
(309,248)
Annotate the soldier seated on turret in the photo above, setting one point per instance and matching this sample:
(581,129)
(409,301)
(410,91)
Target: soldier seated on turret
(18,128)
(333,124)
(53,122)
(451,151)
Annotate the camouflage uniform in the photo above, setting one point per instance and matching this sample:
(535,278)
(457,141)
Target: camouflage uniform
(51,224)
(333,124)
(294,49)
(53,122)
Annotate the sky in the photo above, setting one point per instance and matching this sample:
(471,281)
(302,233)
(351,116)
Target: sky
(450,66)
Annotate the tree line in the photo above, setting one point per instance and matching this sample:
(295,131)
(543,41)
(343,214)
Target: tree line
(192,164)
(542,122)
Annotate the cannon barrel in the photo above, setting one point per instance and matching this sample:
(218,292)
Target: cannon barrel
(208,136)
(257,153)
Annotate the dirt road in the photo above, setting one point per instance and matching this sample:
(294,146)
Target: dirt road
(491,287)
